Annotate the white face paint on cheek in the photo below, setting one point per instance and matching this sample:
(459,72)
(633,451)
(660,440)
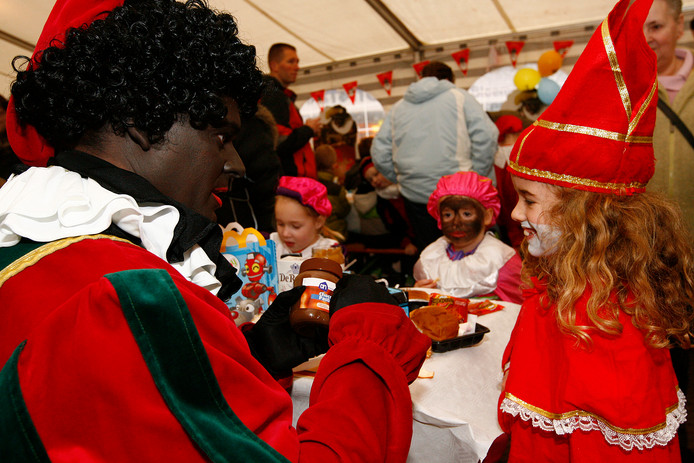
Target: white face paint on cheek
(544,239)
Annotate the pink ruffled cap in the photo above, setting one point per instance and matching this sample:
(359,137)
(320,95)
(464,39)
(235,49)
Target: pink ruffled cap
(308,192)
(467,184)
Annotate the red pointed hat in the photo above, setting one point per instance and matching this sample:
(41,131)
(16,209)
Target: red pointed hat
(26,142)
(597,134)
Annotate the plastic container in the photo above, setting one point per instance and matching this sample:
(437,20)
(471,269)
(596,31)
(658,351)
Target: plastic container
(311,313)
(466,340)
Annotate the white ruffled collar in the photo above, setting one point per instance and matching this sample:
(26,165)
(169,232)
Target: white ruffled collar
(45,204)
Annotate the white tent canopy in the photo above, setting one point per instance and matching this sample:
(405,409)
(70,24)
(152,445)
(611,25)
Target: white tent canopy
(331,31)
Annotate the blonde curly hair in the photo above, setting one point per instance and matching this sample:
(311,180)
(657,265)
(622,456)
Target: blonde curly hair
(633,247)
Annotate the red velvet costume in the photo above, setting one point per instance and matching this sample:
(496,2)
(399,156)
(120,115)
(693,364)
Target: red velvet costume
(613,401)
(615,398)
(92,398)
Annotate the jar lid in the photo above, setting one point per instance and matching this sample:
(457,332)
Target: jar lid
(320,263)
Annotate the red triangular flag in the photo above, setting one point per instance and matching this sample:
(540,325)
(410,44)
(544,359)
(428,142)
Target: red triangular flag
(514,49)
(461,57)
(418,67)
(319,96)
(351,89)
(386,80)
(562,46)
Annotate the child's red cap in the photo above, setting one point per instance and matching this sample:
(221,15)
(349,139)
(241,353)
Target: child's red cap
(26,142)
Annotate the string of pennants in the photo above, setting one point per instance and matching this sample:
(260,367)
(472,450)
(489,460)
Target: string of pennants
(461,58)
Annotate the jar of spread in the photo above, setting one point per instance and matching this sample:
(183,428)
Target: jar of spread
(312,312)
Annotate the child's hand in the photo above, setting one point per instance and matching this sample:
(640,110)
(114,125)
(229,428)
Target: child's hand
(426,283)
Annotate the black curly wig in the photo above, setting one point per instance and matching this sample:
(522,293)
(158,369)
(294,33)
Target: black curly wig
(145,64)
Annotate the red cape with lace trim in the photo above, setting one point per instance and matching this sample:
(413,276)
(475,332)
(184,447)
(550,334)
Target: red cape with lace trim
(562,402)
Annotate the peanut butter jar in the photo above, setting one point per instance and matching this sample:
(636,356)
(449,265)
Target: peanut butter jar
(311,313)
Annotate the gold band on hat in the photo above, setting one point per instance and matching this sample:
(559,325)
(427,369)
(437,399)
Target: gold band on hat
(592,131)
(574,180)
(554,177)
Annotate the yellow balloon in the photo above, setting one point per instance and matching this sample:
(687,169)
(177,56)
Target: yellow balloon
(526,79)
(549,63)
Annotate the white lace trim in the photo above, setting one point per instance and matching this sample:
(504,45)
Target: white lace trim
(585,421)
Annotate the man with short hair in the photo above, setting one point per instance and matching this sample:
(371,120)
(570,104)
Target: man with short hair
(437,129)
(294,149)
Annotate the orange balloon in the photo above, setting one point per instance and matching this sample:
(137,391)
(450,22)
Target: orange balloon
(549,63)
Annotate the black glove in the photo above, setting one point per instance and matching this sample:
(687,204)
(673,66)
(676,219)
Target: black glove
(355,289)
(273,342)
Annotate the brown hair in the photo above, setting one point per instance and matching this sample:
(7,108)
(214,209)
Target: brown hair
(635,247)
(440,70)
(326,157)
(276,52)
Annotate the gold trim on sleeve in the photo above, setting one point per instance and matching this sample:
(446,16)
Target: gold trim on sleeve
(39,253)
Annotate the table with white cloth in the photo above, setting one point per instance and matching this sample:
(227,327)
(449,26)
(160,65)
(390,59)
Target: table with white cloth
(455,412)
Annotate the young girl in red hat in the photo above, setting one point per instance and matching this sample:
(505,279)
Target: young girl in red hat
(301,209)
(608,268)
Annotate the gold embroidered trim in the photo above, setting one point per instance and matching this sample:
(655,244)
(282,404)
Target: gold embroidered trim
(37,254)
(583,413)
(614,64)
(634,122)
(595,132)
(571,179)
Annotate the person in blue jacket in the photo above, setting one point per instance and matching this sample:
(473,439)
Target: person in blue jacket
(437,129)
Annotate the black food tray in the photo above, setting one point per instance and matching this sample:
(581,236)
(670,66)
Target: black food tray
(461,341)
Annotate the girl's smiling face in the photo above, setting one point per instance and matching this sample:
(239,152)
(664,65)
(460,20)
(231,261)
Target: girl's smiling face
(297,227)
(535,199)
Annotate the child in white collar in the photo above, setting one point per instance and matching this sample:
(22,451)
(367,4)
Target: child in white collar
(467,261)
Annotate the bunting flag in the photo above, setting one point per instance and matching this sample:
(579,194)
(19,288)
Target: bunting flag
(418,67)
(319,97)
(351,89)
(562,46)
(386,80)
(514,49)
(461,57)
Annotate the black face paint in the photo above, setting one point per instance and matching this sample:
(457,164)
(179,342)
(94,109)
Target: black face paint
(462,219)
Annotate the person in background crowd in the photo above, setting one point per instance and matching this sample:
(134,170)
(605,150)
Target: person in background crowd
(608,268)
(8,160)
(510,126)
(468,261)
(112,285)
(326,161)
(294,149)
(391,208)
(301,210)
(674,153)
(436,129)
(251,200)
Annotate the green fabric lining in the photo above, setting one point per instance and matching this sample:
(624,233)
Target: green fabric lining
(12,253)
(171,346)
(19,440)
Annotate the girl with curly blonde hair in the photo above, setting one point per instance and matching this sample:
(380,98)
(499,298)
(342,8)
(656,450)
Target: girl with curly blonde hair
(608,269)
